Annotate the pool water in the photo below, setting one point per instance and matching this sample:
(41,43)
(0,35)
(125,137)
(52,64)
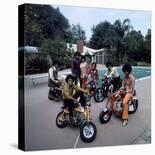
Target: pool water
(138,72)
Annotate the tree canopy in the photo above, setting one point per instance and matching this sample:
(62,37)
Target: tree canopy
(46,27)
(102,35)
(125,43)
(78,33)
(43,22)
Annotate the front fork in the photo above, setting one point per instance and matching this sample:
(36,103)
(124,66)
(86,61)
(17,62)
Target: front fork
(87,113)
(65,111)
(110,102)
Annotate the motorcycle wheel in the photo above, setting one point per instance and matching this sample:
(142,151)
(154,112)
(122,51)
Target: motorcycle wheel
(60,124)
(50,95)
(99,95)
(135,106)
(105,117)
(50,98)
(88,132)
(57,95)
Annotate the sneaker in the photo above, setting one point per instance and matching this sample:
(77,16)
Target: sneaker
(125,122)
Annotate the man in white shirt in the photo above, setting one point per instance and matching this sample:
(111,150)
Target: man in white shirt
(53,75)
(113,74)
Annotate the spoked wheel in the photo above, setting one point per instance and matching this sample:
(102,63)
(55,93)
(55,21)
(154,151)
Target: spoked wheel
(99,95)
(105,116)
(88,131)
(60,120)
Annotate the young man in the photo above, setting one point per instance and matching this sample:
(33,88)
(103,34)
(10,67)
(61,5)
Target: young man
(71,93)
(128,85)
(53,79)
(75,67)
(112,73)
(53,75)
(126,91)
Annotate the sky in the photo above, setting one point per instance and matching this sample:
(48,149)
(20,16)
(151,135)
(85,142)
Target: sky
(87,17)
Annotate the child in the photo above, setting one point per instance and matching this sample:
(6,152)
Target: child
(84,71)
(93,77)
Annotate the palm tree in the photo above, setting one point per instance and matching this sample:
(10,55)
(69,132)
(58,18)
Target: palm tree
(121,29)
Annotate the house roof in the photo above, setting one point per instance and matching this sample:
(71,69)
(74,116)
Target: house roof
(86,50)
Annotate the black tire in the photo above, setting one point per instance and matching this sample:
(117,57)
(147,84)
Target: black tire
(105,116)
(60,124)
(99,91)
(135,105)
(57,99)
(89,127)
(57,94)
(49,97)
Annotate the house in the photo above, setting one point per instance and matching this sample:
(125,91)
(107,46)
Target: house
(100,56)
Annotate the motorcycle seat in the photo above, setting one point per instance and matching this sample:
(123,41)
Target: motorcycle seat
(64,107)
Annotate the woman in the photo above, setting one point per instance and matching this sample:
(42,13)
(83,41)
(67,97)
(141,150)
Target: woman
(84,71)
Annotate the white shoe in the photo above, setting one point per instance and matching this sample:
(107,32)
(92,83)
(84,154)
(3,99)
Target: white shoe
(125,122)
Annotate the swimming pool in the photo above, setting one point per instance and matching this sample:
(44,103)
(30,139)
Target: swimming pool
(138,72)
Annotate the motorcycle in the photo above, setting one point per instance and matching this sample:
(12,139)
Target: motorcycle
(80,118)
(92,87)
(102,92)
(56,92)
(116,106)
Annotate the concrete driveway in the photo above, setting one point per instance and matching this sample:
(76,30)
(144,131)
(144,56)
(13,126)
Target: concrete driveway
(42,133)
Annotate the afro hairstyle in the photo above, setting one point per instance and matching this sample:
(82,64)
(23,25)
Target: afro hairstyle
(70,76)
(127,67)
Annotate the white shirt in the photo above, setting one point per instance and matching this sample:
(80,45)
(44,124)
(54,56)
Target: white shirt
(51,70)
(113,73)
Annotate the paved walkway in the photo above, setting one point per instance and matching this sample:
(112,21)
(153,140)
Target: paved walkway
(42,133)
(144,138)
